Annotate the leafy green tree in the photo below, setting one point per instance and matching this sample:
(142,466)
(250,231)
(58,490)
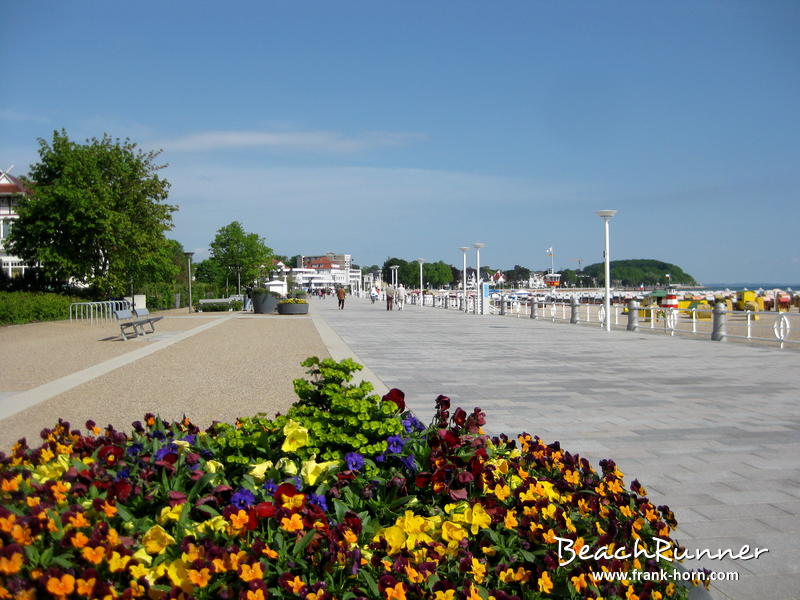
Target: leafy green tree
(244,254)
(96,215)
(633,272)
(517,275)
(209,271)
(437,274)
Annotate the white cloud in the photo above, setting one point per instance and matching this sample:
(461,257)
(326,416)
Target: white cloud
(320,141)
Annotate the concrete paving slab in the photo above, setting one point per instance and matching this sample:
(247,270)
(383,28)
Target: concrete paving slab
(688,418)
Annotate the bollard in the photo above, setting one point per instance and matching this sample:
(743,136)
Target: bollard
(573,305)
(534,309)
(502,305)
(719,328)
(633,315)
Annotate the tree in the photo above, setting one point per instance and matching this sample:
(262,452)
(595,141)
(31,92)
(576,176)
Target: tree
(242,253)
(96,215)
(634,272)
(519,275)
(437,274)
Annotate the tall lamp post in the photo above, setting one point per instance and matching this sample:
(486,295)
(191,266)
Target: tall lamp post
(479,294)
(606,216)
(189,262)
(421,295)
(464,250)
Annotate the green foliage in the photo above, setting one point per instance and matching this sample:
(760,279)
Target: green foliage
(633,272)
(222,306)
(340,417)
(518,275)
(96,214)
(243,255)
(25,307)
(436,274)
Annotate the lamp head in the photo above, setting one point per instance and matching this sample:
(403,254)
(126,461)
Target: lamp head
(478,245)
(188,254)
(463,248)
(606,214)
(420,260)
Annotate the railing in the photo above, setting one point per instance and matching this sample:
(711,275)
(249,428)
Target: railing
(781,328)
(96,311)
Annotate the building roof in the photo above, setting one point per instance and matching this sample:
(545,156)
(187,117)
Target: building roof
(11,185)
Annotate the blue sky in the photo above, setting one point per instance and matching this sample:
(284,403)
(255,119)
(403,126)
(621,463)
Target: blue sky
(410,129)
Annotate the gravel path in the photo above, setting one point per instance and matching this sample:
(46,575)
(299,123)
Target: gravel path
(241,366)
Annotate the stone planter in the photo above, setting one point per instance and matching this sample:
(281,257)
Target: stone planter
(264,304)
(292,309)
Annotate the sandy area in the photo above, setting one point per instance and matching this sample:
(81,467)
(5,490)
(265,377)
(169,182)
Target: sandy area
(240,367)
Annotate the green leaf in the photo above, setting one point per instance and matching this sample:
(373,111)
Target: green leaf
(124,513)
(304,541)
(62,560)
(370,581)
(33,555)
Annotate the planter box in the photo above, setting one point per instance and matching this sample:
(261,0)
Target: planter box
(264,304)
(292,309)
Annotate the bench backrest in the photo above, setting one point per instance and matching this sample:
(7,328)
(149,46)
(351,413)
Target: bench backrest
(123,314)
(141,312)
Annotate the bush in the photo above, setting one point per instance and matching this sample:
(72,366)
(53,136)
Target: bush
(246,510)
(293,301)
(25,307)
(223,306)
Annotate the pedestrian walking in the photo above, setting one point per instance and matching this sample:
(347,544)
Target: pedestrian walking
(400,297)
(390,291)
(340,294)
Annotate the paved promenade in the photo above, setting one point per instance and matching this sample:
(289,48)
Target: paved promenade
(712,430)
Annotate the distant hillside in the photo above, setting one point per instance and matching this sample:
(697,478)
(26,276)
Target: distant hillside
(633,272)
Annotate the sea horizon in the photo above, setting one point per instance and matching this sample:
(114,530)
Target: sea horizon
(750,286)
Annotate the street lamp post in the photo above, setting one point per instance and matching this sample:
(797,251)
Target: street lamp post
(479,293)
(189,262)
(464,249)
(606,216)
(421,295)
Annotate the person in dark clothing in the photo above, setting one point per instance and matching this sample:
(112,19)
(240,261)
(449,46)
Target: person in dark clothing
(340,294)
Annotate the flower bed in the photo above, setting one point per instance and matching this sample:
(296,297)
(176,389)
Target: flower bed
(346,496)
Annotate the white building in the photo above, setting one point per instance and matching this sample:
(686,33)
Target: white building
(11,189)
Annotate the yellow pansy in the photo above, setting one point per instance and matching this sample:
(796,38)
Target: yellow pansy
(170,513)
(312,470)
(143,557)
(213,466)
(296,436)
(117,562)
(478,518)
(287,466)
(258,471)
(395,537)
(453,532)
(217,524)
(156,539)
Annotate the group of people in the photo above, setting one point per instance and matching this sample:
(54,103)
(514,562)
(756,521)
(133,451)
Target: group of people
(395,296)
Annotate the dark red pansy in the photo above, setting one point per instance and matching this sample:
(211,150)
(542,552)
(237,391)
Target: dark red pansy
(110,454)
(396,396)
(442,403)
(264,510)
